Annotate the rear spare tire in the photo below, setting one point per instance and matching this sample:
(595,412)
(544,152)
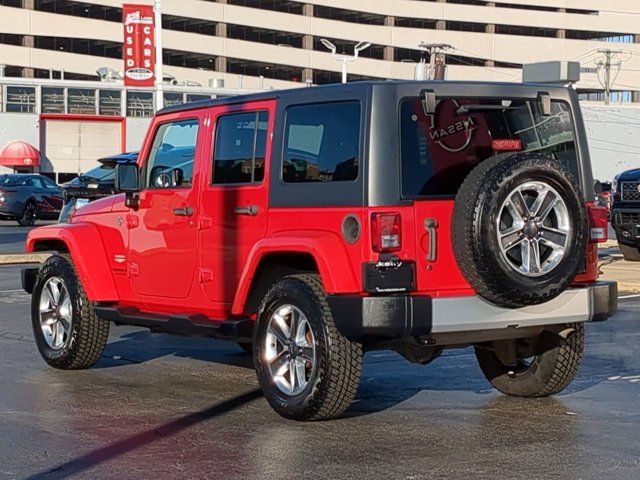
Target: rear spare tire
(520,229)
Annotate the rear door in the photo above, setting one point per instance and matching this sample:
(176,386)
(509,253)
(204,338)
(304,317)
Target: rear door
(234,196)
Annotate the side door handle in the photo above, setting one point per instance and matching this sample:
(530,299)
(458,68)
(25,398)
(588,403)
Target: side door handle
(250,210)
(183,211)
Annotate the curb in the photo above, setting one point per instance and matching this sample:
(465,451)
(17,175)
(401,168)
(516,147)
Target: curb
(15,259)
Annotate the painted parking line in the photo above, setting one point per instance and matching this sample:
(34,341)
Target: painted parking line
(633,295)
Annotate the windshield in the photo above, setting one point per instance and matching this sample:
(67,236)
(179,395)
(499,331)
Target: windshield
(438,151)
(103,173)
(11,180)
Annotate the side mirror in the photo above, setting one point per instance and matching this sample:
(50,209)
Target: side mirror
(127,178)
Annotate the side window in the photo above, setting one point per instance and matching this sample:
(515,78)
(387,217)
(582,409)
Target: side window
(170,163)
(48,183)
(240,148)
(38,183)
(322,142)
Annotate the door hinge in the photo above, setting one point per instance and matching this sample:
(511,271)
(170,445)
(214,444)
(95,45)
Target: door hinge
(133,270)
(205,222)
(205,275)
(132,221)
(430,225)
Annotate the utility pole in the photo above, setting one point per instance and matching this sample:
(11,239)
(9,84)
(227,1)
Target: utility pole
(157,10)
(606,63)
(437,59)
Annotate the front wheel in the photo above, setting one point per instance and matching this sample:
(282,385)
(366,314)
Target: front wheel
(68,333)
(536,374)
(307,369)
(630,254)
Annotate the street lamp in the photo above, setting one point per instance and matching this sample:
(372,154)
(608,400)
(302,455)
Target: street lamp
(157,10)
(344,58)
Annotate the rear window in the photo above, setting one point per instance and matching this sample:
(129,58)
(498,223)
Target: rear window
(103,173)
(439,150)
(11,181)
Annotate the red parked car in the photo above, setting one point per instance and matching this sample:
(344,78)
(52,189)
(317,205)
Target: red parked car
(314,224)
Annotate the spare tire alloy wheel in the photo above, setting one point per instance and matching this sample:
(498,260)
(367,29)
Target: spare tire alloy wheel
(520,229)
(533,227)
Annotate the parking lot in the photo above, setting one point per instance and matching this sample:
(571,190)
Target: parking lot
(160,407)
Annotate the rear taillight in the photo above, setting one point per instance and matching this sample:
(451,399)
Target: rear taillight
(598,224)
(386,232)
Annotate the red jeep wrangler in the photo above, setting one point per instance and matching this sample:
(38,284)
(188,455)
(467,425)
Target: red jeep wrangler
(314,224)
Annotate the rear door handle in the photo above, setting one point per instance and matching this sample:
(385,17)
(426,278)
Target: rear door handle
(250,210)
(183,211)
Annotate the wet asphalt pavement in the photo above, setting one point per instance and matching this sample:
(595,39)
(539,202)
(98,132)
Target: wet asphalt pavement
(166,407)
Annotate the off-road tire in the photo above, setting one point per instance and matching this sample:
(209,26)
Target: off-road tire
(338,360)
(29,216)
(474,237)
(549,373)
(89,334)
(630,254)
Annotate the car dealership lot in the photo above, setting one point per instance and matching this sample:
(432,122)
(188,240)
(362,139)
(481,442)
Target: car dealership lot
(170,407)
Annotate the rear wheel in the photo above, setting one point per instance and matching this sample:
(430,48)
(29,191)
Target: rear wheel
(29,215)
(68,333)
(536,375)
(307,369)
(630,254)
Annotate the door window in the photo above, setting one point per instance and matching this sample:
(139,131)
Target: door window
(322,142)
(240,148)
(170,163)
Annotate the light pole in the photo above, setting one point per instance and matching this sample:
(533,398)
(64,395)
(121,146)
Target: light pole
(345,58)
(157,10)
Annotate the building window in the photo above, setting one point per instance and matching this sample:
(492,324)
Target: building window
(196,97)
(21,99)
(139,104)
(172,155)
(173,98)
(322,142)
(81,101)
(240,148)
(110,103)
(52,100)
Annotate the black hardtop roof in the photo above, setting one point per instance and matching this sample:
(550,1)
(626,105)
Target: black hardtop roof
(322,90)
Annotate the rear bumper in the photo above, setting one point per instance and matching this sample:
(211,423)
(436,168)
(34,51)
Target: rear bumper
(406,316)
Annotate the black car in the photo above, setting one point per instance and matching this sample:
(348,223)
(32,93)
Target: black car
(625,213)
(96,183)
(29,197)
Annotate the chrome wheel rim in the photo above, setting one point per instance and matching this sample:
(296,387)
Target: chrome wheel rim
(533,228)
(56,313)
(289,350)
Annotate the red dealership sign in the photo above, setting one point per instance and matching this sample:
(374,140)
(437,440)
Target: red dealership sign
(139,45)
